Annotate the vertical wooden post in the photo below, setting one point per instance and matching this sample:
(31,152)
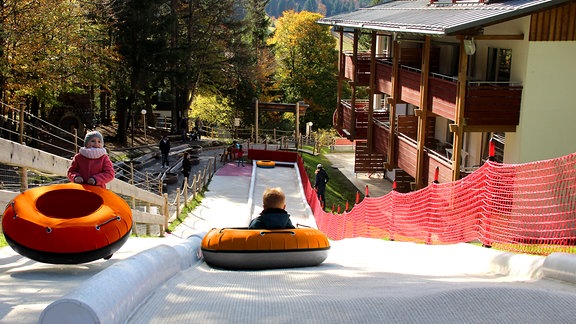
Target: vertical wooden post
(178,203)
(423,115)
(23,170)
(458,127)
(341,68)
(256,123)
(354,83)
(395,93)
(166,212)
(185,190)
(297,124)
(372,87)
(131,172)
(76,141)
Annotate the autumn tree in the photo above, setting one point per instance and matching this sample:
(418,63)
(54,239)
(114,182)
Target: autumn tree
(142,34)
(249,66)
(51,46)
(306,61)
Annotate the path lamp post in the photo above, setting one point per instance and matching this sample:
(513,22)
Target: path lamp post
(144,121)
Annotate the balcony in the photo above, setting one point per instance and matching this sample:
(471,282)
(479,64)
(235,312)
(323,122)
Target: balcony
(405,142)
(360,124)
(363,71)
(487,104)
(406,153)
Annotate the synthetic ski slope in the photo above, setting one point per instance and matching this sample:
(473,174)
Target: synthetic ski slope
(286,177)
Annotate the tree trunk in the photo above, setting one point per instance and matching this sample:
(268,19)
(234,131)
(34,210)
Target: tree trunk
(122,109)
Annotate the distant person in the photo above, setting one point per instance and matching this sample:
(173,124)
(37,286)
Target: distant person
(320,184)
(186,168)
(240,154)
(274,215)
(92,165)
(198,127)
(229,153)
(164,150)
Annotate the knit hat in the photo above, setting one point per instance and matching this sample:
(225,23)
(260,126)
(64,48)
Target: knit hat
(92,134)
(319,166)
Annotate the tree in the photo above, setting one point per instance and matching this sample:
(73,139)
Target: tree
(51,46)
(213,110)
(249,68)
(142,34)
(306,60)
(262,62)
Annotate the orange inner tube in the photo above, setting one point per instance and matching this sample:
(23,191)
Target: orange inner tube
(265,163)
(67,218)
(243,239)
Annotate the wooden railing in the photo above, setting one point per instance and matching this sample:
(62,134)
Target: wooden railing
(142,202)
(493,103)
(142,191)
(486,103)
(361,121)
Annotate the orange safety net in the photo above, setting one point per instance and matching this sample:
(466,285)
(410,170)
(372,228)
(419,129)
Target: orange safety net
(523,208)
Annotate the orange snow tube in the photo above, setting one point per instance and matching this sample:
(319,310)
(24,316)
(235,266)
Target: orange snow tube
(243,248)
(67,223)
(265,164)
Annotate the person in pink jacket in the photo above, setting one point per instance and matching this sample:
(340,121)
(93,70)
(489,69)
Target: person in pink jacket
(92,165)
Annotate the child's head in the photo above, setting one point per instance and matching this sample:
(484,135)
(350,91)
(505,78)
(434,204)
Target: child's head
(93,140)
(273,198)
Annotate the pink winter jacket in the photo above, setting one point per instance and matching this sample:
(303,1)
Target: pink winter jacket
(101,169)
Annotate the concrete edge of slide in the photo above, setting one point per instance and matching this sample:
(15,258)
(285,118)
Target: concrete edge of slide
(111,295)
(560,266)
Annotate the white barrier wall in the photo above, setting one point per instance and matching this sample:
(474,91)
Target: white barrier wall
(112,295)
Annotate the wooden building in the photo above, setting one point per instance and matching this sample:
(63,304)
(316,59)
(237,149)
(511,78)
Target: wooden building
(447,77)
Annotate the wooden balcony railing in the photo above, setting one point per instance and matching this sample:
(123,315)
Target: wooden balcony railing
(486,103)
(492,103)
(406,150)
(406,154)
(363,70)
(361,121)
(409,82)
(442,96)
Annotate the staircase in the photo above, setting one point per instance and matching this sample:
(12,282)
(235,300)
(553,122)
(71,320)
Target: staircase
(366,161)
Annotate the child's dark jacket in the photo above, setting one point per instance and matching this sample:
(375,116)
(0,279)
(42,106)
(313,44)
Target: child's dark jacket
(272,218)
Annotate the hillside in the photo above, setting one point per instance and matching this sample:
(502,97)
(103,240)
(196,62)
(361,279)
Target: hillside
(324,7)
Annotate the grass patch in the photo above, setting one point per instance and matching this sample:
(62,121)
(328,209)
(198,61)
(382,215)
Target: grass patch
(339,189)
(3,242)
(190,206)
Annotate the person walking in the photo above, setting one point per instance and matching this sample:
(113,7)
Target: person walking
(320,184)
(165,150)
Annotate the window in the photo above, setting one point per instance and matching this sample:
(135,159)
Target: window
(499,64)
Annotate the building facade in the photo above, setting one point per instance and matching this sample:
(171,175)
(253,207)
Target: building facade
(446,78)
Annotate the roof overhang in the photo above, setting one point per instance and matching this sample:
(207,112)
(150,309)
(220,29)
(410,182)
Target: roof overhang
(439,18)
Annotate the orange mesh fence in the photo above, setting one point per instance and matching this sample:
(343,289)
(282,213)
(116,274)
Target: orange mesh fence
(524,208)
